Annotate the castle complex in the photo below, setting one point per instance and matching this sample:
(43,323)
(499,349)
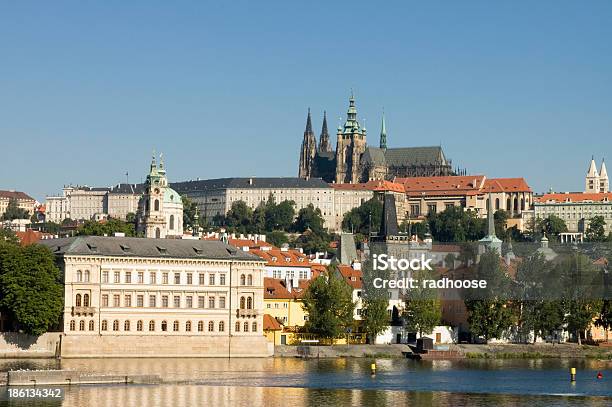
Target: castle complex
(354,161)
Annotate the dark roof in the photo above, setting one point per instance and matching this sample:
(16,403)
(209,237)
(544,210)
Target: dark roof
(128,189)
(244,183)
(15,195)
(414,156)
(142,247)
(375,156)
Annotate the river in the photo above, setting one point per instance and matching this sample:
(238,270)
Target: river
(322,382)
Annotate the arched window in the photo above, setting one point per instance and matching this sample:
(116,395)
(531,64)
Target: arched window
(104,325)
(242,302)
(237,329)
(221,326)
(516,204)
(508,204)
(156,205)
(126,325)
(86,276)
(91,325)
(496,203)
(139,326)
(115,325)
(175,326)
(86,300)
(72,325)
(164,326)
(188,326)
(81,325)
(246,327)
(77,301)
(249,303)
(522,204)
(250,280)
(171,222)
(157,233)
(151,326)
(200,326)
(79,276)
(211,326)
(254,327)
(242,279)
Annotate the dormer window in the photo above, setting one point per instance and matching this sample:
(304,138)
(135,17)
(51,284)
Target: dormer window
(287,259)
(125,247)
(301,259)
(274,258)
(92,247)
(198,251)
(162,250)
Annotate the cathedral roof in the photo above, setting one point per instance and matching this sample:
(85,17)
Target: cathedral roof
(396,157)
(248,183)
(374,156)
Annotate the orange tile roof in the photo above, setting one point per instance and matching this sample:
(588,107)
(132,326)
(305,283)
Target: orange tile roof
(374,185)
(271,324)
(277,257)
(275,289)
(450,184)
(506,185)
(575,197)
(351,276)
(30,237)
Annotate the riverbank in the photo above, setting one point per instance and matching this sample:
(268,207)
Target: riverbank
(343,351)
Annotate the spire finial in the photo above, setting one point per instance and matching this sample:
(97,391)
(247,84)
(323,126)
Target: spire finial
(308,123)
(383,132)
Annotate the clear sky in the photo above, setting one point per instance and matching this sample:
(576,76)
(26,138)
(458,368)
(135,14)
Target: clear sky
(89,89)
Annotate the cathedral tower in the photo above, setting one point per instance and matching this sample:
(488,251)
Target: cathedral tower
(592,178)
(383,133)
(604,183)
(324,144)
(351,143)
(308,151)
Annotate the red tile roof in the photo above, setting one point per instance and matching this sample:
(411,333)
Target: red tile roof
(16,195)
(277,257)
(374,185)
(30,237)
(442,185)
(275,289)
(351,276)
(271,324)
(575,197)
(506,185)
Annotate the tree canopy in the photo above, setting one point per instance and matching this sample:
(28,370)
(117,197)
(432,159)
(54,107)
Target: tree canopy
(364,219)
(106,228)
(13,211)
(455,224)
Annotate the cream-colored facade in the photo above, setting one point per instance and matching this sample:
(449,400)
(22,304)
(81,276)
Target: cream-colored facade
(24,201)
(204,290)
(576,209)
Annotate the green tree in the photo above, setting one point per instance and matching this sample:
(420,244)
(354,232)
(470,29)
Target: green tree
(8,236)
(106,228)
(280,217)
(190,209)
(604,319)
(13,211)
(364,219)
(328,303)
(418,228)
(31,289)
(501,218)
(259,218)
(309,218)
(375,300)
(312,242)
(596,232)
(277,238)
(455,224)
(552,226)
(239,217)
(422,312)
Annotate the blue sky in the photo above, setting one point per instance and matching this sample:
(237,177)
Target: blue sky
(89,89)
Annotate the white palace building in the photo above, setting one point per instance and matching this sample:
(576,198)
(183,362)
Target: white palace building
(139,297)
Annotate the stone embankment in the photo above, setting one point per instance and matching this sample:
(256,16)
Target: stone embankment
(339,351)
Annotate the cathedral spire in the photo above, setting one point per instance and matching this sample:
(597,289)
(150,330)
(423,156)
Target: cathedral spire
(383,133)
(308,124)
(324,139)
(153,163)
(592,168)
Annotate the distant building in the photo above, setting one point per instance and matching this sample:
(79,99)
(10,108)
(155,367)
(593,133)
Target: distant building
(597,181)
(576,209)
(24,201)
(136,297)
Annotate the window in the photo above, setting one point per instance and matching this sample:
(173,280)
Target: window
(164,326)
(117,277)
(72,325)
(242,302)
(177,278)
(91,325)
(415,210)
(126,325)
(303,275)
(211,326)
(189,301)
(200,326)
(140,301)
(221,326)
(242,279)
(139,326)
(246,327)
(175,326)
(86,276)
(249,303)
(116,302)
(221,302)
(104,325)
(431,208)
(171,222)
(165,278)
(237,328)
(268,305)
(77,300)
(140,277)
(79,276)
(152,277)
(115,325)
(211,302)
(128,277)
(86,300)
(177,301)
(250,280)
(156,205)
(81,325)
(201,303)
(151,326)
(152,301)
(127,301)
(164,301)
(254,327)
(222,279)
(201,278)
(188,326)
(189,278)
(285,305)
(211,279)
(105,276)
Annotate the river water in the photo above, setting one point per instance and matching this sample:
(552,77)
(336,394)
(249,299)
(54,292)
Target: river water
(323,382)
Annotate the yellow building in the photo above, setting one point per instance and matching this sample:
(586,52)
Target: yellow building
(283,302)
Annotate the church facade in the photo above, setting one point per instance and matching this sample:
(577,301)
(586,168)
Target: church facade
(354,161)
